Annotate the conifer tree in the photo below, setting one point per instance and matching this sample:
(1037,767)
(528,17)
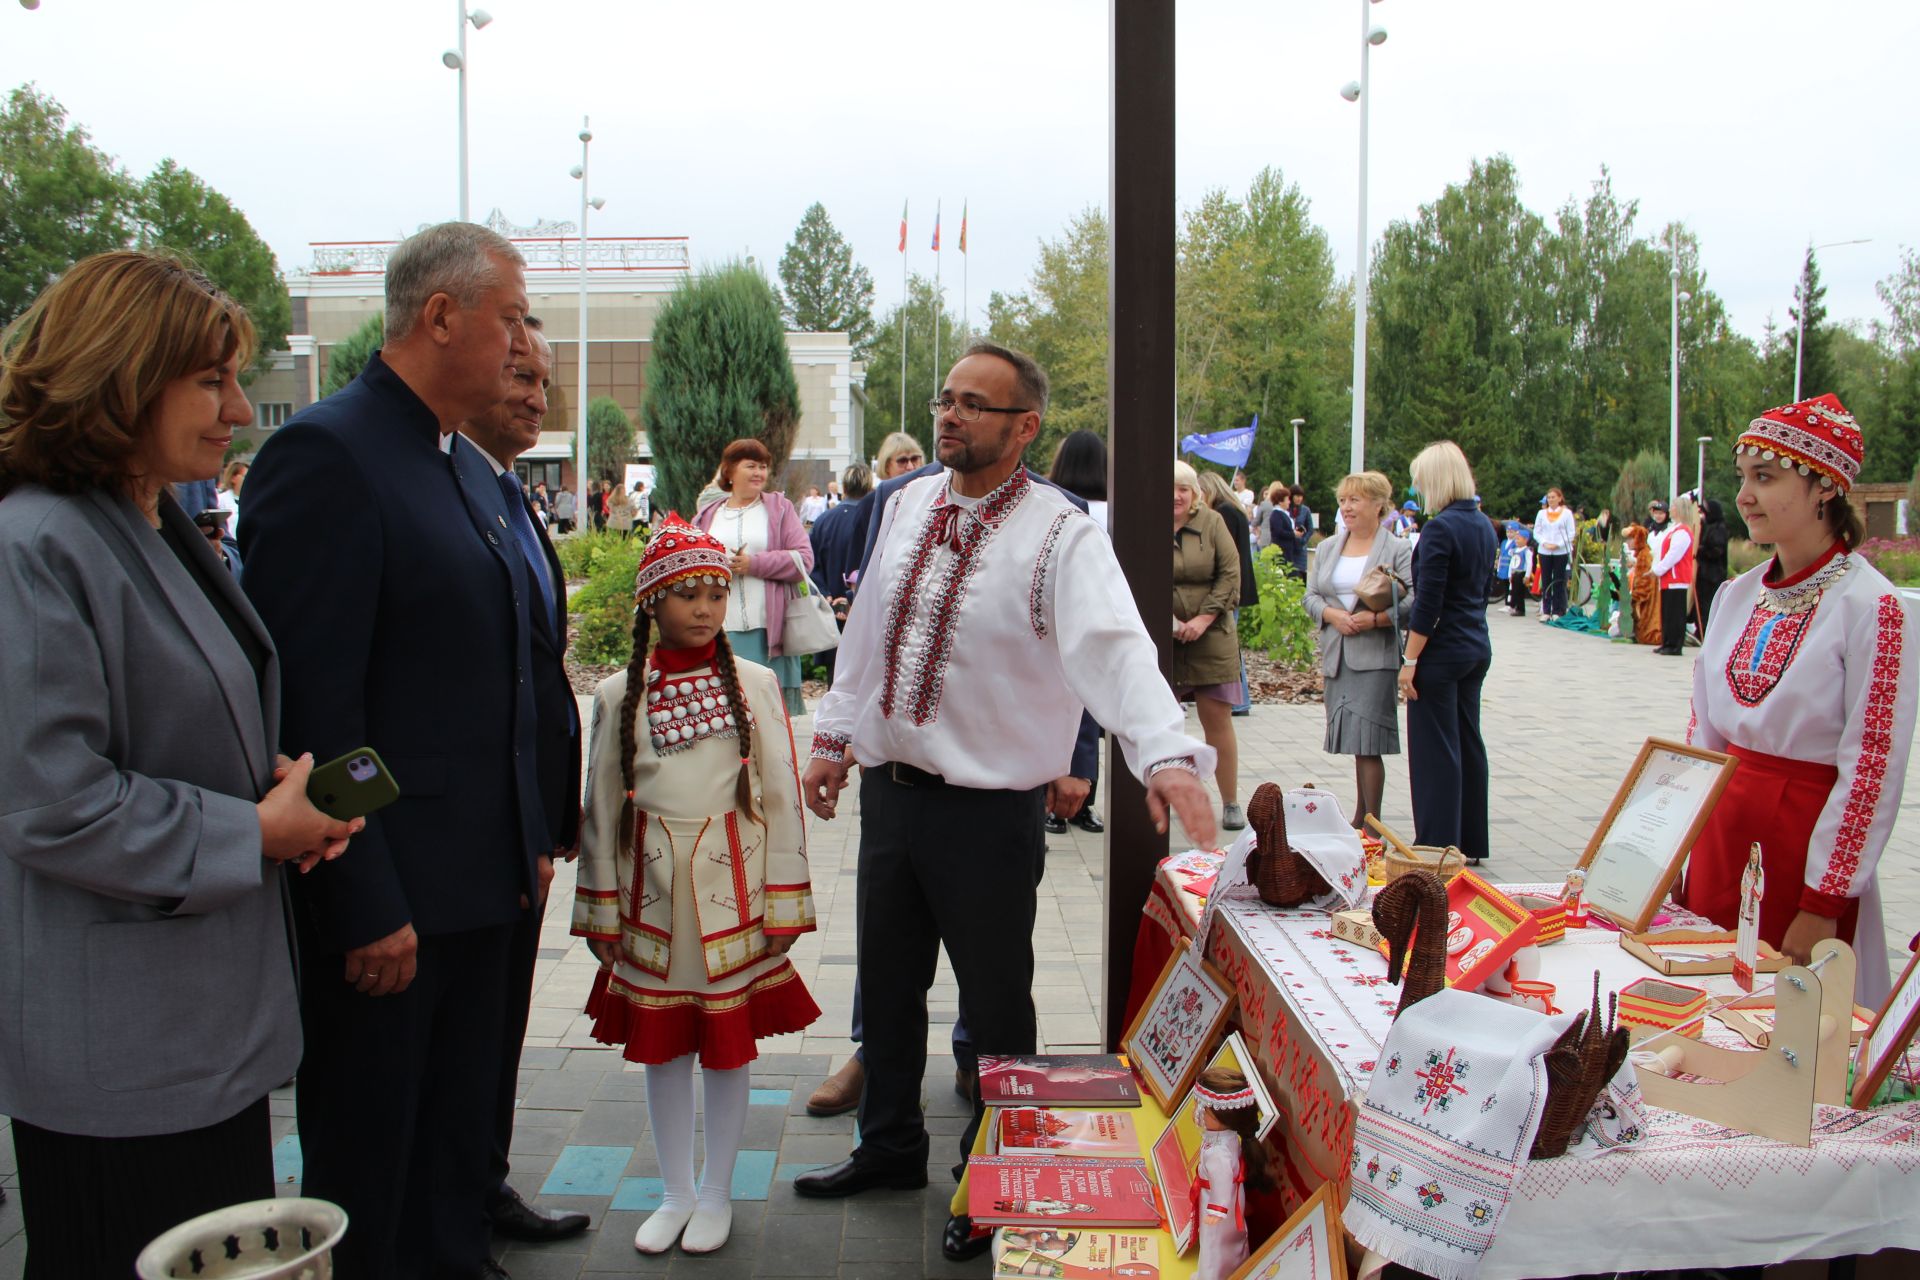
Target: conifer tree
(825,290)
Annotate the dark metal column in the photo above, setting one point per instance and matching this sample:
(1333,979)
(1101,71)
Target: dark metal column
(1140,440)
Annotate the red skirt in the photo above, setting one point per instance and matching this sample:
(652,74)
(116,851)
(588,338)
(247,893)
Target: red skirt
(655,1026)
(1775,801)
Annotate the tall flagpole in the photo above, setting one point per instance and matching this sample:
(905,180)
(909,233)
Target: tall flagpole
(966,313)
(905,297)
(936,297)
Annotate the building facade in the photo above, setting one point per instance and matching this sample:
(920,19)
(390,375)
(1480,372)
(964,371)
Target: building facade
(628,280)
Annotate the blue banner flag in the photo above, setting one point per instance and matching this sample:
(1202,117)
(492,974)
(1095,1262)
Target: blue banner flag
(1229,448)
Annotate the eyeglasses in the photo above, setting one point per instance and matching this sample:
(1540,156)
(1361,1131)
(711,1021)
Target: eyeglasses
(960,409)
(915,458)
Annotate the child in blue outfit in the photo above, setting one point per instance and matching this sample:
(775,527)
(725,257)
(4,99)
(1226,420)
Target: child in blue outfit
(1519,567)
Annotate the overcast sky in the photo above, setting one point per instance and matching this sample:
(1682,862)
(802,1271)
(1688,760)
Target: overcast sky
(1761,123)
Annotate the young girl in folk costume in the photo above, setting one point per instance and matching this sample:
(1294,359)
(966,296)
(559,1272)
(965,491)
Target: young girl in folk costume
(1231,1159)
(693,874)
(1807,676)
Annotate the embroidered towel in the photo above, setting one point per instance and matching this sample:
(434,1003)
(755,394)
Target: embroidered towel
(1445,1127)
(1320,831)
(1618,1118)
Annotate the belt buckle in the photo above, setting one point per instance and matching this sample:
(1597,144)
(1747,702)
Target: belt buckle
(894,771)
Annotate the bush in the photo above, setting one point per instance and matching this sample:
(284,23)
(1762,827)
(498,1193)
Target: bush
(1898,559)
(1277,624)
(602,610)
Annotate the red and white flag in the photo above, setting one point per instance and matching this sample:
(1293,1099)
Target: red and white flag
(903,226)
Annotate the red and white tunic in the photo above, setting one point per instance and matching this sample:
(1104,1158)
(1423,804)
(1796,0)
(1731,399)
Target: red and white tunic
(689,886)
(1220,1204)
(984,628)
(1811,682)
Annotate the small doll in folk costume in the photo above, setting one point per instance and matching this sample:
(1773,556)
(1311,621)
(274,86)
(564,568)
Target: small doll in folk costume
(1231,1159)
(693,874)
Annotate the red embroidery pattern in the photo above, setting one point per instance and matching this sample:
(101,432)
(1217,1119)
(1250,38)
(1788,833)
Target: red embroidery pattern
(1037,597)
(1876,741)
(1693,721)
(945,597)
(1440,1081)
(1753,675)
(828,746)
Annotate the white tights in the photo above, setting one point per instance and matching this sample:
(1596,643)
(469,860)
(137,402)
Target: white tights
(670,1113)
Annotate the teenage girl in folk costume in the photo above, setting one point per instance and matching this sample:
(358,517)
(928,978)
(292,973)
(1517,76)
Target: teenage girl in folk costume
(1231,1159)
(693,874)
(1807,676)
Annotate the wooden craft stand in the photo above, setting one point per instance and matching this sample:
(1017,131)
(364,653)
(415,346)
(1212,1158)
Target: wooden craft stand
(1770,1091)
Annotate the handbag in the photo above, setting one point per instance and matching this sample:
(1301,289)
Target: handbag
(1376,589)
(809,625)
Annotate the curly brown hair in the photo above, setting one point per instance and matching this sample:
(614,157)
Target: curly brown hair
(81,368)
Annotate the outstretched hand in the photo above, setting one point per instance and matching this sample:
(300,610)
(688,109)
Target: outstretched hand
(1181,791)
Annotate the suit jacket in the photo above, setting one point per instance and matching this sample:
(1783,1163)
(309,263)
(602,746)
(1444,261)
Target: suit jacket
(1450,567)
(160,996)
(556,713)
(387,573)
(1377,650)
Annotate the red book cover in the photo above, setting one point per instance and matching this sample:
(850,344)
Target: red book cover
(1005,1191)
(1103,1134)
(1074,1255)
(1060,1079)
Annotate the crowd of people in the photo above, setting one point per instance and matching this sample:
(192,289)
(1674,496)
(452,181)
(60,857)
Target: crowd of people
(402,607)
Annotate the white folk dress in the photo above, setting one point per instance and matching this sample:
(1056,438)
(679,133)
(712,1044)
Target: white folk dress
(1221,1204)
(1810,681)
(687,884)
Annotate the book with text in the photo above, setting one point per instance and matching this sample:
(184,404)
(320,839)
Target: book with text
(1060,1079)
(1063,1191)
(1105,1134)
(1075,1255)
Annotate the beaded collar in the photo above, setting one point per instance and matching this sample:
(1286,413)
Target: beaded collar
(1803,590)
(682,708)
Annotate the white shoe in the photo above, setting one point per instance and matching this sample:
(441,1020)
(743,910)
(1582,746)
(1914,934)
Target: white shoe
(708,1229)
(659,1232)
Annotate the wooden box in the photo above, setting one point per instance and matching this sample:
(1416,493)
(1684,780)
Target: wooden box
(1650,1005)
(1356,927)
(1688,953)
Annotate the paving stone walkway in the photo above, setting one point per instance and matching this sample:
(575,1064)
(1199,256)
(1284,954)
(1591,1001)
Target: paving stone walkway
(1563,717)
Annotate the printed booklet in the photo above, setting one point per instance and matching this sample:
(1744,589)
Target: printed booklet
(1060,1079)
(1060,1191)
(1105,1134)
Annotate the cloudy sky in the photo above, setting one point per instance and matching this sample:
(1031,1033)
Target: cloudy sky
(1761,123)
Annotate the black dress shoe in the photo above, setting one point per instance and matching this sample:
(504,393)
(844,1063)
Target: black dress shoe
(1055,826)
(859,1173)
(492,1270)
(515,1219)
(1088,821)
(960,1242)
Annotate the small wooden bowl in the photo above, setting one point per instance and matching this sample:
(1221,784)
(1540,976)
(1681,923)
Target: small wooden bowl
(1445,863)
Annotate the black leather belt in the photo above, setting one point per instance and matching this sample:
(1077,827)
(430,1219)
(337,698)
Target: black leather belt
(908,776)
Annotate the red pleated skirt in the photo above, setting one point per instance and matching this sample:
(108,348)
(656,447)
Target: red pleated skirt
(654,1026)
(1776,801)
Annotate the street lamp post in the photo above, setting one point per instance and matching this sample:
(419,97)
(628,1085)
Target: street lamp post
(1297,424)
(580,430)
(456,60)
(1356,91)
(1800,321)
(1673,363)
(1700,478)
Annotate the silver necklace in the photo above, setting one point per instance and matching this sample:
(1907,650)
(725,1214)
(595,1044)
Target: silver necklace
(1805,594)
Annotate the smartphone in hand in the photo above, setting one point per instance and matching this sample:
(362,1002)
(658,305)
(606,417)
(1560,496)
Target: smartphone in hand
(352,786)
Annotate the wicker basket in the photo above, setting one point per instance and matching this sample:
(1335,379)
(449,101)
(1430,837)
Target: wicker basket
(1445,863)
(1414,907)
(1280,875)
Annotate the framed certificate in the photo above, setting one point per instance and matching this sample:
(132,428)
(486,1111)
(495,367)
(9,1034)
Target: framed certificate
(1644,838)
(1881,1048)
(1311,1246)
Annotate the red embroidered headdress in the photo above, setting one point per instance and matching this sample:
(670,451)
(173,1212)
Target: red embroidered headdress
(1815,437)
(677,552)
(1216,1100)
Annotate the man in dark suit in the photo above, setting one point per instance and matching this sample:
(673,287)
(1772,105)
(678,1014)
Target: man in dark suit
(381,559)
(501,435)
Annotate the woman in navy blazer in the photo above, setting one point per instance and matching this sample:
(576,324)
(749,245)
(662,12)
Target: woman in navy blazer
(1448,653)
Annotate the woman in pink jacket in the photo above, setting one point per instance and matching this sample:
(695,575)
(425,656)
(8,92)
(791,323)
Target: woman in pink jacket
(764,533)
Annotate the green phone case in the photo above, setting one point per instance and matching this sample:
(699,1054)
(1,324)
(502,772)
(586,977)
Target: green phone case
(352,786)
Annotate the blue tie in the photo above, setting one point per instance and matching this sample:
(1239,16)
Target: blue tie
(529,540)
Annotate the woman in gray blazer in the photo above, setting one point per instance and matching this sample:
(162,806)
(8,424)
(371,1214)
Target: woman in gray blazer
(1359,647)
(145,979)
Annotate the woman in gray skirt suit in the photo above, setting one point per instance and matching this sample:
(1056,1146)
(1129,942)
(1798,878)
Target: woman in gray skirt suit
(1359,647)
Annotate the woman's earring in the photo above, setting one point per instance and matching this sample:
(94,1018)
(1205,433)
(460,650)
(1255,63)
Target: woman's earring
(1820,510)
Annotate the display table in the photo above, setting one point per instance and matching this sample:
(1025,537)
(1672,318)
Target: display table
(1314,1011)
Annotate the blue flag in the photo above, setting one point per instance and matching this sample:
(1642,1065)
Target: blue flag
(1229,448)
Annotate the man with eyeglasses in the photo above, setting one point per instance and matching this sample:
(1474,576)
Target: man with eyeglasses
(992,612)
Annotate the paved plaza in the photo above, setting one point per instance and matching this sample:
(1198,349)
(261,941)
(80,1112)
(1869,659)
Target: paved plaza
(1564,715)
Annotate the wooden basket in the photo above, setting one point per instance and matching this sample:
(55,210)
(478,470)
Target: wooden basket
(1280,875)
(1445,863)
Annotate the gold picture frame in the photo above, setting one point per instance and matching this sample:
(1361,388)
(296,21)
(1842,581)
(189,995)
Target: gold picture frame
(1172,1036)
(1648,830)
(1312,1237)
(1882,1047)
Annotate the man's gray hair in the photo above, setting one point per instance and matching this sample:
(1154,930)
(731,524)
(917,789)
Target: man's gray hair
(1032,378)
(459,259)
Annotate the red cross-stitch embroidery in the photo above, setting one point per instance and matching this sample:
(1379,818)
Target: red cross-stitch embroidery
(1752,678)
(1037,595)
(1876,740)
(1440,1081)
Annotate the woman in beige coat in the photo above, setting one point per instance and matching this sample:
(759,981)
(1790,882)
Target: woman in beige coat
(1205,666)
(1360,647)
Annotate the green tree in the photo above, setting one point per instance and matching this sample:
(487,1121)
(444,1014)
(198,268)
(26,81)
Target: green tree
(346,358)
(1061,321)
(1809,313)
(923,379)
(178,211)
(719,372)
(824,289)
(61,198)
(610,440)
(1643,479)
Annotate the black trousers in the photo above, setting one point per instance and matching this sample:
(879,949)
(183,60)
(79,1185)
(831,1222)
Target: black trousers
(1553,583)
(396,1102)
(90,1205)
(937,865)
(523,951)
(1673,619)
(1517,596)
(1446,758)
